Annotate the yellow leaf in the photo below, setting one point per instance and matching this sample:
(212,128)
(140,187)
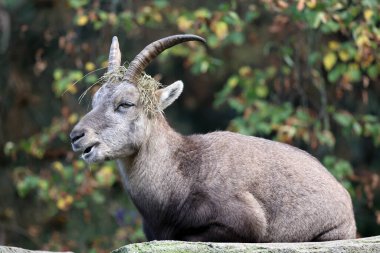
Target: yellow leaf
(106,170)
(286,133)
(105,176)
(233,81)
(79,164)
(362,40)
(147,9)
(72,89)
(43,184)
(58,166)
(82,20)
(183,23)
(157,17)
(221,30)
(368,13)
(112,18)
(89,66)
(104,64)
(202,13)
(311,4)
(204,66)
(353,66)
(69,200)
(334,45)
(329,60)
(140,19)
(73,118)
(61,204)
(343,55)
(245,71)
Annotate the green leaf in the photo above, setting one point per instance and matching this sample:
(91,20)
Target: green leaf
(334,75)
(92,78)
(354,75)
(251,16)
(236,104)
(161,3)
(344,118)
(314,57)
(317,19)
(79,178)
(76,4)
(370,118)
(262,91)
(338,167)
(98,197)
(357,128)
(81,204)
(236,38)
(326,138)
(373,72)
(9,148)
(57,74)
(330,27)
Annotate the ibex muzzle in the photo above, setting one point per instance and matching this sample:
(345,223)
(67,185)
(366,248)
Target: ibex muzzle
(220,186)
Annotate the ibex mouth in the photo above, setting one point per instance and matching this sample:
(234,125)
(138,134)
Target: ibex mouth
(87,151)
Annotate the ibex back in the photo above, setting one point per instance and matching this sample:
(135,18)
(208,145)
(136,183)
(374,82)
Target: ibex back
(220,186)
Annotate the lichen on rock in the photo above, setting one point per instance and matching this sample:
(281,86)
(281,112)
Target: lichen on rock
(365,245)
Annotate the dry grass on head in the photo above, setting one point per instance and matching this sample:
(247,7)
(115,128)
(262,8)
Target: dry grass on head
(146,85)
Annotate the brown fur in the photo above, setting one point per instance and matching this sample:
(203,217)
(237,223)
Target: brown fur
(225,186)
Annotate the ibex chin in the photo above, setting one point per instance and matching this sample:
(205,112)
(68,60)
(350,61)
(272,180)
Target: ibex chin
(220,186)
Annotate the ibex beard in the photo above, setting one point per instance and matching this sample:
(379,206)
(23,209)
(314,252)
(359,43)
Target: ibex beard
(221,186)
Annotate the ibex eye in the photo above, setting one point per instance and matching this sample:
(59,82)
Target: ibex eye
(124,105)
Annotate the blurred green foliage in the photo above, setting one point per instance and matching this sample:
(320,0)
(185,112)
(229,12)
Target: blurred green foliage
(302,72)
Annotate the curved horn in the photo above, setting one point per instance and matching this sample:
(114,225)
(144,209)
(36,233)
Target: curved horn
(142,60)
(114,58)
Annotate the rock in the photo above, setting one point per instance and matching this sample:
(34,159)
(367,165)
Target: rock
(365,245)
(370,244)
(4,249)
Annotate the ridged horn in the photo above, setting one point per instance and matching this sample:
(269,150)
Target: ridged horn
(114,58)
(142,60)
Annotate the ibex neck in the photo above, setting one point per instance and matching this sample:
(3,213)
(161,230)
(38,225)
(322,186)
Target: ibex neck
(161,140)
(162,130)
(156,153)
(152,175)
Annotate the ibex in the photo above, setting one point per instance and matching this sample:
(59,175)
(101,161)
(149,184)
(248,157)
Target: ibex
(220,186)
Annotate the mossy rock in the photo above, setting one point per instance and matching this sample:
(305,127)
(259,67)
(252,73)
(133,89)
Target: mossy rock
(370,244)
(5,249)
(365,245)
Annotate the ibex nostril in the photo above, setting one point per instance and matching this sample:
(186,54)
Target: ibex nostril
(76,136)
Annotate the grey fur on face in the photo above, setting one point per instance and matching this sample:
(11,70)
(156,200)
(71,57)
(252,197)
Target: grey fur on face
(220,186)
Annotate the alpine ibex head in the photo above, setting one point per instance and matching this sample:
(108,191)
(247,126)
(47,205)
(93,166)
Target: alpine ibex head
(122,108)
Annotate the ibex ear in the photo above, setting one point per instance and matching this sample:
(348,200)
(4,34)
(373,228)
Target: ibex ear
(169,94)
